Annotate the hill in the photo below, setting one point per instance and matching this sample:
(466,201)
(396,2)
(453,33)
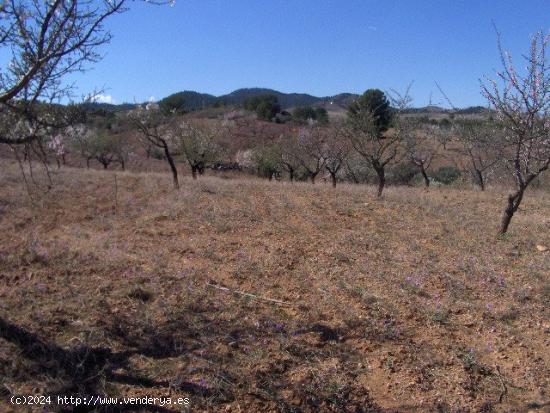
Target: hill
(195,100)
(286,100)
(192,101)
(108,107)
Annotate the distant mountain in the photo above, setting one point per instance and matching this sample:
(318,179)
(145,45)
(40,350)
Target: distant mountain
(337,102)
(474,110)
(194,100)
(191,101)
(426,110)
(286,100)
(432,109)
(108,107)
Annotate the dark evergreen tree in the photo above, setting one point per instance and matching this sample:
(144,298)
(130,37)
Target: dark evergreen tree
(375,103)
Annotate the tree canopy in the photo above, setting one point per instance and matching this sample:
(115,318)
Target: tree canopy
(265,106)
(375,103)
(306,113)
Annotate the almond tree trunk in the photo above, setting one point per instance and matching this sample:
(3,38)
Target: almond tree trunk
(480,180)
(353,176)
(333,179)
(172,166)
(514,200)
(381,180)
(425,176)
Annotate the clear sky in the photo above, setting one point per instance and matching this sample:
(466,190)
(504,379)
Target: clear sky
(321,47)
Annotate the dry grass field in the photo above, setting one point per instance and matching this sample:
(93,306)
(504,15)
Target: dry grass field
(253,296)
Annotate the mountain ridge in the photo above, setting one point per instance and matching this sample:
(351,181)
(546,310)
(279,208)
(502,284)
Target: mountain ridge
(194,100)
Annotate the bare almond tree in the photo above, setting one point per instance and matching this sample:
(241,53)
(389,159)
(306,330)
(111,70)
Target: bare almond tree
(355,169)
(309,150)
(289,159)
(335,149)
(422,147)
(522,103)
(198,145)
(377,149)
(421,143)
(154,129)
(79,138)
(480,145)
(42,42)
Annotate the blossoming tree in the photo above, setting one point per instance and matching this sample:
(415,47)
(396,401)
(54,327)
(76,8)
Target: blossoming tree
(522,103)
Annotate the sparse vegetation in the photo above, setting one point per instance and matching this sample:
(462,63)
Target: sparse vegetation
(355,324)
(447,174)
(278,281)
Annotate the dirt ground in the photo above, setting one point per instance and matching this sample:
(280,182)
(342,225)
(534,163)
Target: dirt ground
(252,296)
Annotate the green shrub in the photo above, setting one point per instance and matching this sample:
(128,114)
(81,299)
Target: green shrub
(447,174)
(402,174)
(303,114)
(157,153)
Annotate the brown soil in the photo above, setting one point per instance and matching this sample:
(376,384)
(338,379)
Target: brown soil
(405,304)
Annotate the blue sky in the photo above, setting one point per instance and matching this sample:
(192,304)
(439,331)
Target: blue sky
(321,47)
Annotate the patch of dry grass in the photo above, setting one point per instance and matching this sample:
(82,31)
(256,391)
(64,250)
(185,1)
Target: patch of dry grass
(408,303)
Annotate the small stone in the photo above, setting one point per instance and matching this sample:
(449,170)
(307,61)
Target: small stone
(542,248)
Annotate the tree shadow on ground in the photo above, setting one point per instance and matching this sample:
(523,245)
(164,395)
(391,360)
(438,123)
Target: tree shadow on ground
(218,344)
(79,370)
(253,363)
